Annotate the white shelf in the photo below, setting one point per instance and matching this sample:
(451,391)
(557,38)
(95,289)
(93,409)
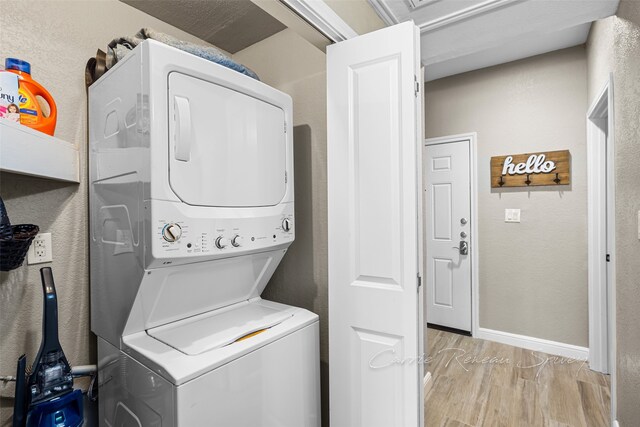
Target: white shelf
(29,152)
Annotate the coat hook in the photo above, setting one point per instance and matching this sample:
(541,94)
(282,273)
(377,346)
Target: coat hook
(557,180)
(501,182)
(528,181)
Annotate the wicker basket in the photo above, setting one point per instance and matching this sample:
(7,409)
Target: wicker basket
(14,240)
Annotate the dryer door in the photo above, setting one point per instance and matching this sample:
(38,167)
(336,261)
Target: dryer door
(226,148)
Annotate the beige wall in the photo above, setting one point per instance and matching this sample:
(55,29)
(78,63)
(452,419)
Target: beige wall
(614,45)
(358,14)
(291,64)
(60,37)
(600,56)
(533,275)
(627,123)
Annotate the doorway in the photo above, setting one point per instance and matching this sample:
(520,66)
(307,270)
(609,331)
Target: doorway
(601,230)
(450,236)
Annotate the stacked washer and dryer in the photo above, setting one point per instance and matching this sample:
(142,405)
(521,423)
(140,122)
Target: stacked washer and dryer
(191,211)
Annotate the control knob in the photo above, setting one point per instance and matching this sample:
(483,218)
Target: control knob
(286,224)
(171,232)
(237,241)
(222,242)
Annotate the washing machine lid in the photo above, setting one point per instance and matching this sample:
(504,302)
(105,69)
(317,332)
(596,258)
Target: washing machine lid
(226,148)
(209,331)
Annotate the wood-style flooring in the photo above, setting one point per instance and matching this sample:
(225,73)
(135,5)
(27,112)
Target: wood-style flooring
(482,383)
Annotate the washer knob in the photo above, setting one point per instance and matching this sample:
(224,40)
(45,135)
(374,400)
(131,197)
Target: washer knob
(237,241)
(286,224)
(171,232)
(222,242)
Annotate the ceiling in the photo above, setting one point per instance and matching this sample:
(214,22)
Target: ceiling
(464,35)
(231,25)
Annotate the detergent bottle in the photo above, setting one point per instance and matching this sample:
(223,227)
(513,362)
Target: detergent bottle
(31,113)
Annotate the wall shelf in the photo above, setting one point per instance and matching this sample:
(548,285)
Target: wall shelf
(29,152)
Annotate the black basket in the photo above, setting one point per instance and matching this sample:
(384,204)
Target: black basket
(14,241)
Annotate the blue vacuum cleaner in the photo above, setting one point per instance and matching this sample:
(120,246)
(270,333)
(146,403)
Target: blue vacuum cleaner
(45,396)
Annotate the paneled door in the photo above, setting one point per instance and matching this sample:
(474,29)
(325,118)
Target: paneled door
(447,207)
(375,239)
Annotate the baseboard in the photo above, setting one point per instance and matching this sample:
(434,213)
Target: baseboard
(427,383)
(535,344)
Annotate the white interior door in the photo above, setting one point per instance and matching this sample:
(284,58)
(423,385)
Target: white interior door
(374,187)
(447,206)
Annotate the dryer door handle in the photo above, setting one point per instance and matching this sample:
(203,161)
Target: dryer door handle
(182,118)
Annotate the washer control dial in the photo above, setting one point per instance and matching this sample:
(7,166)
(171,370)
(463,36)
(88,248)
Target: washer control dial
(171,232)
(222,242)
(237,241)
(286,224)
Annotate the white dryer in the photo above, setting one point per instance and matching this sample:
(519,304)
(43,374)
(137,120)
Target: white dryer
(191,211)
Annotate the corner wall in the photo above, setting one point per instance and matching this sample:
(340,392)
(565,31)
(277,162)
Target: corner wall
(614,46)
(533,275)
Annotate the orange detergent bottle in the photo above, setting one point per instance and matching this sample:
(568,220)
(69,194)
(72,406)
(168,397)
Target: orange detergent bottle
(31,113)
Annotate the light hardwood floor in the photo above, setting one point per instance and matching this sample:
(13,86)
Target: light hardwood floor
(482,383)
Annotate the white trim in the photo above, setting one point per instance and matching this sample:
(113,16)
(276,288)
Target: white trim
(602,292)
(534,344)
(472,137)
(323,18)
(427,383)
(611,226)
(417,4)
(462,14)
(390,18)
(616,423)
(383,11)
(597,230)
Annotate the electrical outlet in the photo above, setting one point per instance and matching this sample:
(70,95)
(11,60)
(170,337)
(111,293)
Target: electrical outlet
(41,249)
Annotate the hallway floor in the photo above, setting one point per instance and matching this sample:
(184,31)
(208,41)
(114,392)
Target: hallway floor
(481,383)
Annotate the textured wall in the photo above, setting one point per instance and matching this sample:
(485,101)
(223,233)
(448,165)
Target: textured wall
(627,123)
(600,58)
(358,14)
(614,46)
(533,275)
(60,37)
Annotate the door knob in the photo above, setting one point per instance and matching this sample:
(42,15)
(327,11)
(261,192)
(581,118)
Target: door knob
(463,248)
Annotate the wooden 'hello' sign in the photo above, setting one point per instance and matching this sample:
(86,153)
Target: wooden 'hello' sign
(529,170)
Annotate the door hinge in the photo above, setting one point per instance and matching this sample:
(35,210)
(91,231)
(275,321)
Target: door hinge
(285,127)
(419,282)
(286,177)
(608,258)
(417,86)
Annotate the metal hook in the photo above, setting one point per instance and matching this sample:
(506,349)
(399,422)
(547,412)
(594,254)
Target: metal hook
(528,181)
(557,180)
(501,182)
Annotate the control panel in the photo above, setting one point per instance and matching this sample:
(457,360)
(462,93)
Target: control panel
(191,237)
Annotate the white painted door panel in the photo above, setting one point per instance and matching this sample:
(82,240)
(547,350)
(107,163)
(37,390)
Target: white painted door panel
(374,164)
(447,202)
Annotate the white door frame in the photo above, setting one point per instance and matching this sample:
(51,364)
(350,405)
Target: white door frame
(472,137)
(602,278)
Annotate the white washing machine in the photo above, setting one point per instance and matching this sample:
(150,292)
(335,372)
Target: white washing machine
(191,211)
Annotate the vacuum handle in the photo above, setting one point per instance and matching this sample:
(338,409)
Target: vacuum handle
(20,394)
(50,311)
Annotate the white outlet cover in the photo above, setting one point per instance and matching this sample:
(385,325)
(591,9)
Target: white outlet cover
(41,249)
(512,215)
